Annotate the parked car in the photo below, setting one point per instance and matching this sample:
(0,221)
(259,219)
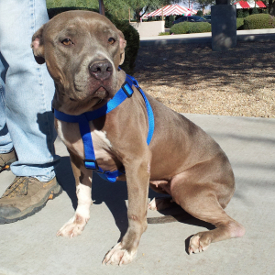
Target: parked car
(208,18)
(193,18)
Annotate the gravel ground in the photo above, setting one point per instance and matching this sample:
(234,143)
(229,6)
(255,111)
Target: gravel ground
(194,79)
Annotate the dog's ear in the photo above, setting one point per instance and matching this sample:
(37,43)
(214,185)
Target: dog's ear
(122,46)
(37,46)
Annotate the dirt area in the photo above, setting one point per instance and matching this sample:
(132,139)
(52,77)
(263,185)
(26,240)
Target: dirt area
(194,79)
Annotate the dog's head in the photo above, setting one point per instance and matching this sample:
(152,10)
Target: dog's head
(82,51)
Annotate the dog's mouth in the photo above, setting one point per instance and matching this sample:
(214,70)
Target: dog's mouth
(91,99)
(101,93)
(83,93)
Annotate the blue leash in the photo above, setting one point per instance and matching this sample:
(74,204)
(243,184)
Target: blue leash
(123,93)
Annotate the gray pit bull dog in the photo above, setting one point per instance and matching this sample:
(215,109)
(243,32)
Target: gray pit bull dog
(83,51)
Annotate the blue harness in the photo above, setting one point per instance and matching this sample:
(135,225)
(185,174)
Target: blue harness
(123,93)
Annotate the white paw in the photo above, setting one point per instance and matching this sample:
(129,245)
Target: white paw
(73,227)
(118,256)
(160,204)
(196,246)
(153,205)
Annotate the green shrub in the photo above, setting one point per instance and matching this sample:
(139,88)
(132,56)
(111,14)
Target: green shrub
(130,33)
(259,21)
(179,28)
(240,22)
(72,3)
(131,51)
(190,27)
(169,21)
(55,11)
(240,13)
(164,33)
(255,11)
(245,13)
(199,13)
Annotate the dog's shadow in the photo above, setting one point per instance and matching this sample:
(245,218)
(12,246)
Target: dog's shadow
(114,195)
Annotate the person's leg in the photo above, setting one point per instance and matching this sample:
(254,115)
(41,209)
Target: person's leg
(7,154)
(28,94)
(28,90)
(5,140)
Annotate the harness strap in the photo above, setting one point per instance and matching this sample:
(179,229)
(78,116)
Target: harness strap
(150,114)
(123,93)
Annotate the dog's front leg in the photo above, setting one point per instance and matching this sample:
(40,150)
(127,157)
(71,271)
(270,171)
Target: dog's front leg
(137,176)
(83,179)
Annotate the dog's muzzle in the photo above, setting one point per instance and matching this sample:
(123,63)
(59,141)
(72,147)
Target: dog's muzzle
(101,70)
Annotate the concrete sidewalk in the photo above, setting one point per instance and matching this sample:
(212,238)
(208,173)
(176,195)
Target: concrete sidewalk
(260,35)
(31,247)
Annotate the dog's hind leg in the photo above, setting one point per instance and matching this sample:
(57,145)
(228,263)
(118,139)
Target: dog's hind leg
(226,227)
(200,200)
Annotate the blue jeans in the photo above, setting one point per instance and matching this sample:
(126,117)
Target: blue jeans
(26,92)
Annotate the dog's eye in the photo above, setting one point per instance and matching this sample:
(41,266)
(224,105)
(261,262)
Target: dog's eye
(111,40)
(67,42)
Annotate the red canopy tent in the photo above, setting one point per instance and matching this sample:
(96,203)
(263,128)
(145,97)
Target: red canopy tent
(168,10)
(249,4)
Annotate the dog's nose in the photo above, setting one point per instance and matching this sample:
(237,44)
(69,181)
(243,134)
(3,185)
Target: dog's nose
(101,70)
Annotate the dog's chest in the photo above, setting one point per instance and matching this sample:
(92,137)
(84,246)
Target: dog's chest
(70,135)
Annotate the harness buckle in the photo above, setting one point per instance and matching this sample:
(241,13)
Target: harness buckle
(127,89)
(87,165)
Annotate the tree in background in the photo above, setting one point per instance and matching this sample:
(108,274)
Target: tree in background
(271,7)
(120,8)
(199,13)
(255,11)
(204,3)
(143,6)
(101,7)
(72,3)
(240,13)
